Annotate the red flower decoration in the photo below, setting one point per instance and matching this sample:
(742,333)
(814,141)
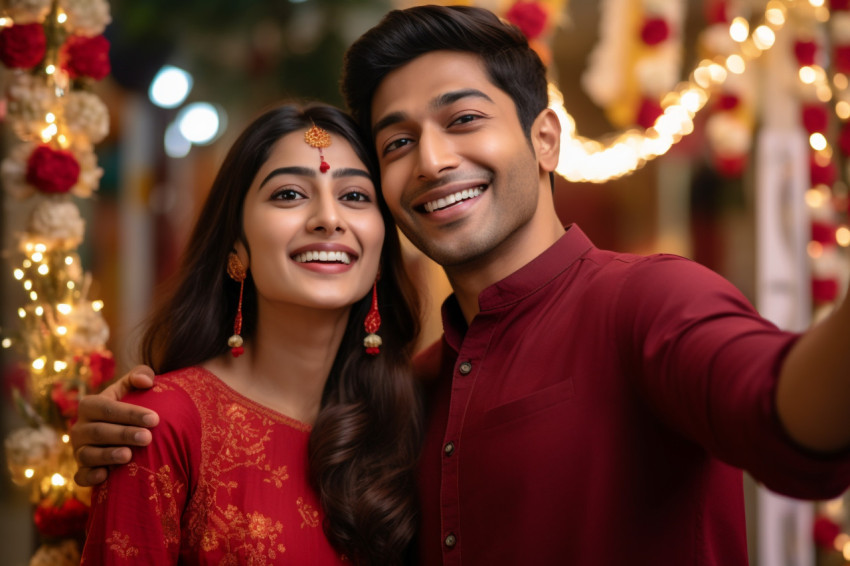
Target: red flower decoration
(61,521)
(67,400)
(529,17)
(22,46)
(86,57)
(824,290)
(842,58)
(815,118)
(823,233)
(822,174)
(836,5)
(715,12)
(805,52)
(102,367)
(654,31)
(649,111)
(844,138)
(52,170)
(730,166)
(727,101)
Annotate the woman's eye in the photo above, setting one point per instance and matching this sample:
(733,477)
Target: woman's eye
(286,194)
(358,196)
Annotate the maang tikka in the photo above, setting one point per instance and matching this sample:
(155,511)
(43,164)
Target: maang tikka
(320,139)
(237,272)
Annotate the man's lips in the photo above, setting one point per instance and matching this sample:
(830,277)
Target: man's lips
(451,199)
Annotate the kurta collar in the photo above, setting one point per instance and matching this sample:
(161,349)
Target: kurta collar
(519,284)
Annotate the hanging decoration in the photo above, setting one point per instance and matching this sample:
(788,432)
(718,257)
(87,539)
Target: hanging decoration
(54,52)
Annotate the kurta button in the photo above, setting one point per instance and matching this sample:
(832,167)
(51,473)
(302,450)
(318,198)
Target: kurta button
(449,448)
(465,368)
(451,540)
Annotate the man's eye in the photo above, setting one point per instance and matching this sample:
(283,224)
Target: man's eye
(466,118)
(396,144)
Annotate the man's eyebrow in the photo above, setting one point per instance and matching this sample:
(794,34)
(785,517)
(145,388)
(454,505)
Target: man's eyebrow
(308,172)
(437,103)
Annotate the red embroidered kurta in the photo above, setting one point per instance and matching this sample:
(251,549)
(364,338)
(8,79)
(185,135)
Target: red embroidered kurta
(223,482)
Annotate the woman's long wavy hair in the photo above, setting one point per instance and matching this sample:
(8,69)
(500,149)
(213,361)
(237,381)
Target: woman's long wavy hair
(364,443)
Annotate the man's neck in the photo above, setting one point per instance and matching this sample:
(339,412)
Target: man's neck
(470,279)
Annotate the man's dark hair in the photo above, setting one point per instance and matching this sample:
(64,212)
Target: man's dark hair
(403,35)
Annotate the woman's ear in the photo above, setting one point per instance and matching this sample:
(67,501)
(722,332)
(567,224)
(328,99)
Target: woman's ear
(546,138)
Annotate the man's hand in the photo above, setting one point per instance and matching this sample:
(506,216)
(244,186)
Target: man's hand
(106,427)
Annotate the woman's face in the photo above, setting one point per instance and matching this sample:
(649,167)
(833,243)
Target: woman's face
(314,238)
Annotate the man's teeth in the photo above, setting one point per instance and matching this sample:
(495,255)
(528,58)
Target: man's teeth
(323,256)
(452,199)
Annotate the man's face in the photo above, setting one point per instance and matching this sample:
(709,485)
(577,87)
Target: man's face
(457,172)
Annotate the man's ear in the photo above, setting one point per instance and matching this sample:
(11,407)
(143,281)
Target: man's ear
(546,138)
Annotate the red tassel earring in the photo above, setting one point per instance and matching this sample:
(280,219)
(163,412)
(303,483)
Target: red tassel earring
(237,272)
(372,324)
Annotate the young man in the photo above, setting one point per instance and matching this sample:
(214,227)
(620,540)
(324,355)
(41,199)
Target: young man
(585,407)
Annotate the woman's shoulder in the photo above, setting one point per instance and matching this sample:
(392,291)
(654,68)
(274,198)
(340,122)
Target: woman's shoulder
(171,390)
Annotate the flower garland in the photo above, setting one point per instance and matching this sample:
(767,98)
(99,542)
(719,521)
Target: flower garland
(55,51)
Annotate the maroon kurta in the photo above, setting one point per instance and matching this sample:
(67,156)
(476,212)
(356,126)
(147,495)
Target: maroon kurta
(223,482)
(596,412)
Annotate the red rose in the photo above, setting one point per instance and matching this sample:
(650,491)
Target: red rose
(654,31)
(842,58)
(823,233)
(22,46)
(52,170)
(824,290)
(730,166)
(529,17)
(67,400)
(86,57)
(822,174)
(815,118)
(61,521)
(727,101)
(805,52)
(102,366)
(649,111)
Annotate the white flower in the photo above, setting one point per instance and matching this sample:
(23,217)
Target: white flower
(86,114)
(13,171)
(86,17)
(90,173)
(64,553)
(728,135)
(658,73)
(26,11)
(87,329)
(57,222)
(31,447)
(29,100)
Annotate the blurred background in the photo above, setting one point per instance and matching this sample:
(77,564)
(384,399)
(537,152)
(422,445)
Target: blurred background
(745,170)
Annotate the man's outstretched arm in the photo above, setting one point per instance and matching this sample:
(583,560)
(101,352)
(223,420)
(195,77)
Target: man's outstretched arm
(813,393)
(106,427)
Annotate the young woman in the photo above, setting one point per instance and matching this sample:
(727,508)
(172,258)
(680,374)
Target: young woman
(284,438)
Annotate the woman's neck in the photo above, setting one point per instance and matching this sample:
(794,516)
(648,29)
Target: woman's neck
(287,362)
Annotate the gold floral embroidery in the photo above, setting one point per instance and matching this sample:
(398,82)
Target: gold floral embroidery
(310,515)
(120,543)
(278,476)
